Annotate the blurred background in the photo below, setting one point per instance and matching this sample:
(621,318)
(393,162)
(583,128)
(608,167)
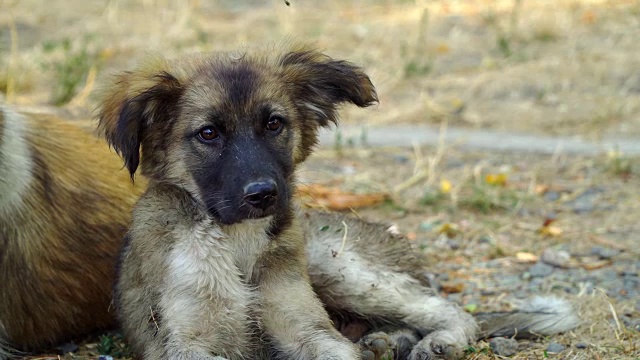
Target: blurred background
(560,67)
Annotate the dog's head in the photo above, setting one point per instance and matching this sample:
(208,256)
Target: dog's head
(230,130)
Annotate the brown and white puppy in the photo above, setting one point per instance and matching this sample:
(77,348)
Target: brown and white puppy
(216,264)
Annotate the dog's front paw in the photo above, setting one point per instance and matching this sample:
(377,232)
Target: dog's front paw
(438,345)
(377,346)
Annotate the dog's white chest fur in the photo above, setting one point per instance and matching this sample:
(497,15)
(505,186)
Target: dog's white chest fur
(209,269)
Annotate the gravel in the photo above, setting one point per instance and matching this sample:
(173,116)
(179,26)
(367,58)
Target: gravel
(604,253)
(503,346)
(557,258)
(540,269)
(555,348)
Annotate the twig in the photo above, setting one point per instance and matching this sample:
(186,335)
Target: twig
(81,98)
(344,240)
(619,325)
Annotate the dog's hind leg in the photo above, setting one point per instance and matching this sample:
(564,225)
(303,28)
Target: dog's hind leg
(362,268)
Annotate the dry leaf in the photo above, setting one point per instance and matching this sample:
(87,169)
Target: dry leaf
(336,199)
(588,17)
(442,48)
(541,189)
(551,231)
(593,264)
(526,257)
(452,288)
(451,230)
(496,179)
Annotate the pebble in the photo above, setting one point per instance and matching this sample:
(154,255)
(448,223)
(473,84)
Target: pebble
(630,322)
(552,195)
(603,252)
(558,258)
(453,244)
(67,348)
(503,346)
(485,239)
(105,357)
(555,348)
(402,159)
(582,345)
(540,269)
(585,202)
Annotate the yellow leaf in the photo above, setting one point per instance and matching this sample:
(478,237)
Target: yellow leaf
(451,230)
(496,179)
(552,231)
(442,48)
(526,257)
(445,186)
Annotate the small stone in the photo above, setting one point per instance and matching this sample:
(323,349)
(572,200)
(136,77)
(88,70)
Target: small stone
(551,195)
(66,348)
(582,345)
(486,239)
(402,159)
(503,346)
(555,348)
(630,322)
(540,269)
(105,357)
(453,244)
(603,252)
(558,258)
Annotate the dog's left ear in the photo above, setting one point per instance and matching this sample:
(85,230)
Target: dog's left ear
(320,84)
(135,101)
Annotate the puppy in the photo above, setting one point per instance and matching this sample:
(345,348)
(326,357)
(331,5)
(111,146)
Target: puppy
(219,263)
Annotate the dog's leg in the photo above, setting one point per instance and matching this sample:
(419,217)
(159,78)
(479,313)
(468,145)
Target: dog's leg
(298,326)
(363,272)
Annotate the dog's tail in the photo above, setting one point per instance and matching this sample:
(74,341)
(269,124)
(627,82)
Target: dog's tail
(539,316)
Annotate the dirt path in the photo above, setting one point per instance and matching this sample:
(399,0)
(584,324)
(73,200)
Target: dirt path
(403,135)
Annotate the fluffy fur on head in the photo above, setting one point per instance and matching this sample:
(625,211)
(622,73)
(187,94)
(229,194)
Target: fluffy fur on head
(154,93)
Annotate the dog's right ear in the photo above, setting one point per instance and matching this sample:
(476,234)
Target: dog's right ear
(136,100)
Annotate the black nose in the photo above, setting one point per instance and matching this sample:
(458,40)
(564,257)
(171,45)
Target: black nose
(261,194)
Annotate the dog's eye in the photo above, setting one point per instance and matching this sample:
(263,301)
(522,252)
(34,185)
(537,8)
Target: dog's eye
(275,124)
(208,134)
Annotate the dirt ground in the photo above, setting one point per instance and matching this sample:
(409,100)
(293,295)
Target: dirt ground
(487,221)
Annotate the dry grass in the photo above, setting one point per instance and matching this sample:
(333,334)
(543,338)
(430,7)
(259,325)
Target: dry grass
(536,66)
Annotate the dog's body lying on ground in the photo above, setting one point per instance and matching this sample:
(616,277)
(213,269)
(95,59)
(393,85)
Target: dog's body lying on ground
(210,267)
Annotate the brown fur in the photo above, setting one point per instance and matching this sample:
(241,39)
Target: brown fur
(58,245)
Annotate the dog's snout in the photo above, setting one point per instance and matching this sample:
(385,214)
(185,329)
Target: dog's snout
(261,194)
